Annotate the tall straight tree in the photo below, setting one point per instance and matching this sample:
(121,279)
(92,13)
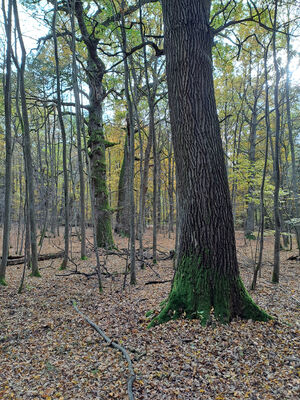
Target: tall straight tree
(151,97)
(64,139)
(276,167)
(78,133)
(8,142)
(131,149)
(207,275)
(27,145)
(291,139)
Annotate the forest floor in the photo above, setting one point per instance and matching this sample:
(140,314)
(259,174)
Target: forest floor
(47,350)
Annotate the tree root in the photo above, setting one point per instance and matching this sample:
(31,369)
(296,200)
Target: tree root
(115,345)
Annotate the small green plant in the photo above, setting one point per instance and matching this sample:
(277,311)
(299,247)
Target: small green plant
(3,282)
(250,236)
(95,371)
(35,275)
(49,367)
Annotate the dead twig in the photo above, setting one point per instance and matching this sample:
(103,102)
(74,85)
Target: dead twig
(156,282)
(78,273)
(115,345)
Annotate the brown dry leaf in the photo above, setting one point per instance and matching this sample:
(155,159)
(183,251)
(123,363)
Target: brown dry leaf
(48,352)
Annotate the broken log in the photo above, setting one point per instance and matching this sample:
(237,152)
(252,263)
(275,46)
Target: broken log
(42,257)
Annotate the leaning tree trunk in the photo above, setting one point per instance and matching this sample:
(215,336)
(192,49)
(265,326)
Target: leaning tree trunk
(207,275)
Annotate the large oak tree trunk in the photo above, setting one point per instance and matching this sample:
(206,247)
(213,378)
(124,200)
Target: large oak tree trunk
(207,275)
(97,143)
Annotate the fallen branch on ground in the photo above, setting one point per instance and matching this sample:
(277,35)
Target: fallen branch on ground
(294,258)
(131,378)
(156,282)
(78,273)
(41,257)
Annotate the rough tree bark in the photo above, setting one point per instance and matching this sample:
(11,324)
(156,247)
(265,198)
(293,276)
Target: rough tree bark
(207,275)
(96,142)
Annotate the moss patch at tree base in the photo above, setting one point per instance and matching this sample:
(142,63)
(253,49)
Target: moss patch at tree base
(104,232)
(3,282)
(35,274)
(198,291)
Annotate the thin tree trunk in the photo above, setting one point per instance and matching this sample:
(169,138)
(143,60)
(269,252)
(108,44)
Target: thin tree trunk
(291,142)
(123,212)
(276,268)
(78,135)
(64,139)
(134,92)
(262,187)
(131,150)
(8,143)
(170,189)
(27,148)
(151,104)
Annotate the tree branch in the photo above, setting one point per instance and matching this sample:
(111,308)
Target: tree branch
(115,345)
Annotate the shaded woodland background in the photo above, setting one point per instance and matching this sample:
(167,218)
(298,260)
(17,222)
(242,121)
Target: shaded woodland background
(66,171)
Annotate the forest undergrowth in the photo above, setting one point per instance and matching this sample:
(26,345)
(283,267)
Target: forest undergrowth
(47,350)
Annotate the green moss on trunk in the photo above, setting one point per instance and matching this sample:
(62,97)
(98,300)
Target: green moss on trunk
(3,282)
(36,274)
(104,230)
(102,209)
(197,291)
